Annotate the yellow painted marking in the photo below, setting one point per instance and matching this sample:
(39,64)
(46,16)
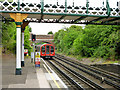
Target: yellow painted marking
(52,77)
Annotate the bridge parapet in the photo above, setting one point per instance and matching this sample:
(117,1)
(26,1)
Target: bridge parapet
(54,8)
(63,13)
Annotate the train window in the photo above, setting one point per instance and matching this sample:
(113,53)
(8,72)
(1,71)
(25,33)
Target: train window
(52,49)
(47,49)
(43,49)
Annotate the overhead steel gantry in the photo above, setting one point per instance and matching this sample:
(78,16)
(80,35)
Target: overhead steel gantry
(23,13)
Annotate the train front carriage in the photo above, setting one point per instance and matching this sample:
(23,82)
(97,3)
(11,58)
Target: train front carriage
(47,51)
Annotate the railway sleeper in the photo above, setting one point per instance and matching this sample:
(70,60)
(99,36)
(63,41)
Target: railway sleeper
(104,75)
(86,79)
(95,76)
(74,82)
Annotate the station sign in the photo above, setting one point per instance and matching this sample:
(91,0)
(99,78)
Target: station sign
(37,59)
(25,51)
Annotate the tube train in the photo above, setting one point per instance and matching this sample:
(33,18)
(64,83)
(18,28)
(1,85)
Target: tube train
(47,51)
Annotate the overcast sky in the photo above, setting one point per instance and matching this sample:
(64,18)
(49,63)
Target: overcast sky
(44,28)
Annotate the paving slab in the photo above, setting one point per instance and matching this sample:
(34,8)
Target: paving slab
(42,79)
(31,77)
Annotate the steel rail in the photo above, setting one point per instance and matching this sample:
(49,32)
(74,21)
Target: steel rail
(96,71)
(73,81)
(85,65)
(83,77)
(94,75)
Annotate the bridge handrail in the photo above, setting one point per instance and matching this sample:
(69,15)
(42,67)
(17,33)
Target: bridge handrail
(58,9)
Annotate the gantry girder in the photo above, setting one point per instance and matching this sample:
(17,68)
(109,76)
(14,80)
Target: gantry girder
(48,13)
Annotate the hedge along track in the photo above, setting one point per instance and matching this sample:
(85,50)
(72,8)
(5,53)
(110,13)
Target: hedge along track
(76,78)
(95,73)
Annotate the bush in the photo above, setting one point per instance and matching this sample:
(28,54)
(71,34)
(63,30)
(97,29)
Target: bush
(92,41)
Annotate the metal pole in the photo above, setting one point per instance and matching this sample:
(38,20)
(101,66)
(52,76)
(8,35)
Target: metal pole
(18,52)
(34,52)
(22,62)
(42,6)
(108,8)
(18,5)
(18,17)
(66,6)
(87,5)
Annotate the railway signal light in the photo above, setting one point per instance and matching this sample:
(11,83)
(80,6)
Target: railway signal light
(33,37)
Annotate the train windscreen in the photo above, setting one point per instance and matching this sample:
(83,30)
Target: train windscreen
(47,49)
(52,49)
(43,49)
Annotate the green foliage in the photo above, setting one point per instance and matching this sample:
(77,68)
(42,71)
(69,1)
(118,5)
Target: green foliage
(92,41)
(26,39)
(9,37)
(30,29)
(50,32)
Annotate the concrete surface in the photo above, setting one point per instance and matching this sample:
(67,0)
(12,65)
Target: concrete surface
(31,77)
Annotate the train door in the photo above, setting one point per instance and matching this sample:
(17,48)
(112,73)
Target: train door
(47,49)
(43,49)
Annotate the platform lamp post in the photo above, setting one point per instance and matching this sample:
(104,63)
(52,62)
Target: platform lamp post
(18,18)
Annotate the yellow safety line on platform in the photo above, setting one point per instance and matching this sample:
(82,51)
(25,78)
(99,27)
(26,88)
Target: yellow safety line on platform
(52,77)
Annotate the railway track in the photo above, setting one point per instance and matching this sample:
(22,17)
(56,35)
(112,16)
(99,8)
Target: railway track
(76,81)
(110,80)
(107,74)
(80,79)
(71,84)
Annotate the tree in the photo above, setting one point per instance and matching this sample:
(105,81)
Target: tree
(92,41)
(26,39)
(50,32)
(8,36)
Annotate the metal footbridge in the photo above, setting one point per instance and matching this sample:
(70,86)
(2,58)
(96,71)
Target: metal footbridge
(79,12)
(43,12)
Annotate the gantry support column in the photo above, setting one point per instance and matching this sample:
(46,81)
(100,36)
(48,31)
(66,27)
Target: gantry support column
(23,28)
(18,17)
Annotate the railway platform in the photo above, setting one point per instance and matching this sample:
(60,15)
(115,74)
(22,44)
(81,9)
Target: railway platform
(37,78)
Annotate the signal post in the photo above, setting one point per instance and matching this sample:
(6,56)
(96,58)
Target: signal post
(18,17)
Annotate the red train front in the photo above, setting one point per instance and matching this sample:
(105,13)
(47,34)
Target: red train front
(47,51)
